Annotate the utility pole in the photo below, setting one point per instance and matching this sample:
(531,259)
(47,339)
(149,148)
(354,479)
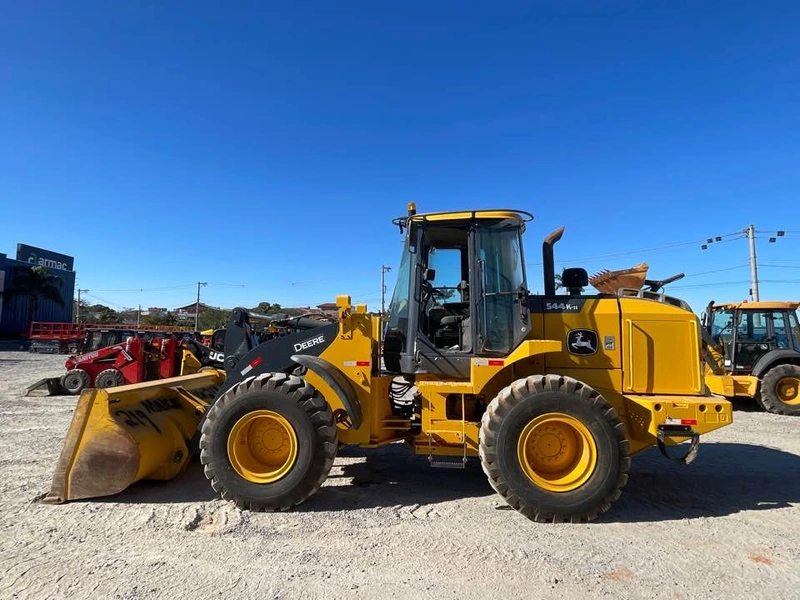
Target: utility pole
(78,310)
(751,235)
(138,316)
(197,304)
(384,269)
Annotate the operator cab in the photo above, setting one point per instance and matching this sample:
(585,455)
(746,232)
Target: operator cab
(461,291)
(749,331)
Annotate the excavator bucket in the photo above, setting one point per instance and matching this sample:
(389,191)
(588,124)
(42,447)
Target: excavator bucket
(121,435)
(608,282)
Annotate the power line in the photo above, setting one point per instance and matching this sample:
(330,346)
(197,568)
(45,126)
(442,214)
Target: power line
(170,288)
(153,289)
(106,302)
(781,280)
(728,237)
(710,284)
(742,266)
(750,233)
(724,283)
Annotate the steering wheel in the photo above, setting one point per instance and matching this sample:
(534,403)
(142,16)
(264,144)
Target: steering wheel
(428,291)
(728,325)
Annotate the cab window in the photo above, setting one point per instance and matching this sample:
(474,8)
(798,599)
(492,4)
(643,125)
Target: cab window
(503,284)
(722,325)
(779,330)
(752,326)
(446,263)
(795,329)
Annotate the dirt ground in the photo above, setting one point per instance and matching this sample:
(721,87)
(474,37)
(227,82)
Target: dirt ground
(385,525)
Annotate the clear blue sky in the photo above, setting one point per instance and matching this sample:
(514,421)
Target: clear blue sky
(268,145)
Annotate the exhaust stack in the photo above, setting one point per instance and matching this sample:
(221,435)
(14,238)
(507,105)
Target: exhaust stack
(548,261)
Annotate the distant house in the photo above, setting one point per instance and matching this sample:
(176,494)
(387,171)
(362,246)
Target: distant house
(329,308)
(186,313)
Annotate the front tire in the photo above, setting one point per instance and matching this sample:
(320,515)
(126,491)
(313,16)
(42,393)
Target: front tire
(780,390)
(554,449)
(268,443)
(75,381)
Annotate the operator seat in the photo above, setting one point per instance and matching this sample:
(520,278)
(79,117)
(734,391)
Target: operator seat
(451,333)
(435,315)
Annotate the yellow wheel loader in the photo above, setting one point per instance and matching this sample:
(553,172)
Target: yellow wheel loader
(753,351)
(553,393)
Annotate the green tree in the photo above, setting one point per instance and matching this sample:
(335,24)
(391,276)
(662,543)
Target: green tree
(211,318)
(107,315)
(35,284)
(154,319)
(265,308)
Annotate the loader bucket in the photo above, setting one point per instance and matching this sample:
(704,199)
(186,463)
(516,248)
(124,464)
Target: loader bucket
(49,386)
(121,435)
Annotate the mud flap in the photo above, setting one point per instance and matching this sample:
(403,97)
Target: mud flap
(122,435)
(49,386)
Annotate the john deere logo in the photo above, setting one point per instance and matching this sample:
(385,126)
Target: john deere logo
(582,342)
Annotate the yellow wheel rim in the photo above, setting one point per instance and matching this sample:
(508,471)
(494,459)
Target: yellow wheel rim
(557,452)
(262,446)
(788,390)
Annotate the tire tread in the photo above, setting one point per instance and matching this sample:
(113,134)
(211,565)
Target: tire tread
(768,399)
(520,391)
(317,411)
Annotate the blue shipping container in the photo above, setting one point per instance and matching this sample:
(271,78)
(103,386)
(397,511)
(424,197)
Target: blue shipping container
(15,319)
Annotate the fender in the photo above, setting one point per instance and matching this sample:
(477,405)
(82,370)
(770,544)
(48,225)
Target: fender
(271,356)
(764,363)
(338,382)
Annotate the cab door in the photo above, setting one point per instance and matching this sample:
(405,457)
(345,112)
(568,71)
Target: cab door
(753,338)
(502,307)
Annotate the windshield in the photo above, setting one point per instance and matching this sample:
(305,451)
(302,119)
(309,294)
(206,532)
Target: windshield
(398,307)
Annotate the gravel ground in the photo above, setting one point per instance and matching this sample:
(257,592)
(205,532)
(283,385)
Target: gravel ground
(385,525)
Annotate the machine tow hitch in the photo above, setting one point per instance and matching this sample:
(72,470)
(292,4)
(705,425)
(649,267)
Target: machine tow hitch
(685,431)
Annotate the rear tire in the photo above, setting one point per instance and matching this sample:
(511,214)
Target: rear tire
(554,449)
(268,443)
(75,381)
(109,378)
(780,390)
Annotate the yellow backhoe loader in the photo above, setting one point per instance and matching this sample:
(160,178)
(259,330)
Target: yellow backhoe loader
(753,351)
(553,393)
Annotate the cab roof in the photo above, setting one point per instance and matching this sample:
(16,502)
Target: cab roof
(503,213)
(759,306)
